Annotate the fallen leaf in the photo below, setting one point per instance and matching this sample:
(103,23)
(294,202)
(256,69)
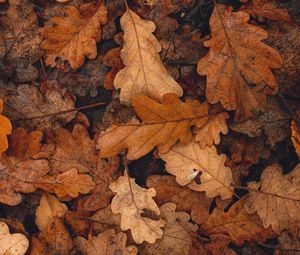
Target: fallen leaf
(187,161)
(28,102)
(266,9)
(56,239)
(296,137)
(77,222)
(144,73)
(49,208)
(105,243)
(5,130)
(131,201)
(167,190)
(77,150)
(163,124)
(24,164)
(274,123)
(178,233)
(238,224)
(68,183)
(209,133)
(74,35)
(276,198)
(12,244)
(19,42)
(237,55)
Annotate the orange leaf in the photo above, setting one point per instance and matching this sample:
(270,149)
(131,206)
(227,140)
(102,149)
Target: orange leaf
(5,130)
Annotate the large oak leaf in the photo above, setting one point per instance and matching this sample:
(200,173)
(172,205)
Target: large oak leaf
(74,36)
(144,73)
(238,56)
(187,161)
(276,198)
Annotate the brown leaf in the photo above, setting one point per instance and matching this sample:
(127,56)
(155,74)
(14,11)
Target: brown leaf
(237,224)
(276,198)
(237,55)
(49,208)
(288,244)
(5,130)
(74,36)
(19,42)
(25,163)
(27,102)
(274,123)
(187,161)
(144,73)
(77,222)
(55,239)
(163,124)
(131,201)
(105,243)
(68,183)
(266,9)
(167,190)
(77,150)
(296,138)
(178,233)
(15,244)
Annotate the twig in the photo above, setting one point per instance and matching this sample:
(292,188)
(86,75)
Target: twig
(62,112)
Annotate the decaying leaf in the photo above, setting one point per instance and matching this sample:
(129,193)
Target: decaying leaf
(131,201)
(167,190)
(187,161)
(276,198)
(288,244)
(296,137)
(27,102)
(238,224)
(238,56)
(105,243)
(77,150)
(144,73)
(74,36)
(19,42)
(274,123)
(266,9)
(5,130)
(12,244)
(49,208)
(163,124)
(55,239)
(178,234)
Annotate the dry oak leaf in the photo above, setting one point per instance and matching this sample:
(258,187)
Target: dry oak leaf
(12,244)
(5,130)
(19,42)
(296,137)
(131,201)
(187,161)
(67,184)
(237,55)
(163,124)
(144,73)
(266,9)
(78,150)
(105,243)
(178,234)
(74,35)
(238,224)
(49,208)
(167,190)
(29,103)
(276,198)
(25,162)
